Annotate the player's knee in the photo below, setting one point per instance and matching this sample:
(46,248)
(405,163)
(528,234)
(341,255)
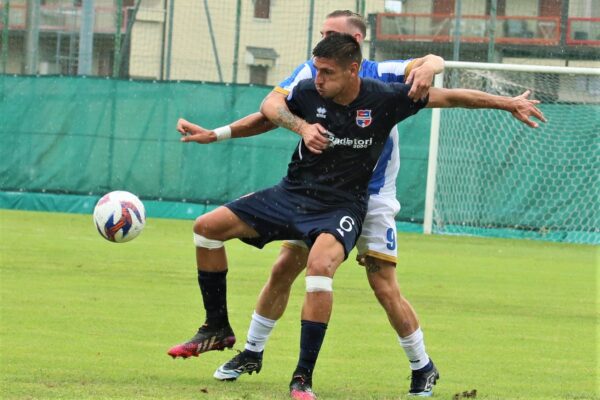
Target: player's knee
(321,266)
(204,236)
(319,284)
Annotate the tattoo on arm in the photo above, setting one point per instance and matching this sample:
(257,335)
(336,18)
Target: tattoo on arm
(287,120)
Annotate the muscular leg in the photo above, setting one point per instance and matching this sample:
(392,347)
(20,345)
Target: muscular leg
(220,224)
(382,279)
(274,295)
(270,306)
(210,230)
(273,298)
(323,260)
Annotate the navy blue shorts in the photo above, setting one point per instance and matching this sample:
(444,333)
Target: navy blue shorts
(277,213)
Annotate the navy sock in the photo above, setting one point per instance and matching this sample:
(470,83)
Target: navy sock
(311,339)
(426,368)
(254,354)
(213,286)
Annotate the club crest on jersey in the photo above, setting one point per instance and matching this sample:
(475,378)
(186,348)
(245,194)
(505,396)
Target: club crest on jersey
(363,118)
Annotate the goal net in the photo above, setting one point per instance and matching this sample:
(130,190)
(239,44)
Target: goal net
(489,174)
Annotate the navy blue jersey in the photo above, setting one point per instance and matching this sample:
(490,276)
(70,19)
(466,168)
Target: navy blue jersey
(358,133)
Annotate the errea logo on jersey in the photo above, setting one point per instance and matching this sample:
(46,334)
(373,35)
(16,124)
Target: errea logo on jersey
(354,143)
(321,111)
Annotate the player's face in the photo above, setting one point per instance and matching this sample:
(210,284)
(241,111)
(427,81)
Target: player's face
(331,79)
(340,25)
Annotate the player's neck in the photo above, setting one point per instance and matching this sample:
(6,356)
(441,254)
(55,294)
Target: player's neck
(349,93)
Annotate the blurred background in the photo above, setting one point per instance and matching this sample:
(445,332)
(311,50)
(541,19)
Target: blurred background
(261,41)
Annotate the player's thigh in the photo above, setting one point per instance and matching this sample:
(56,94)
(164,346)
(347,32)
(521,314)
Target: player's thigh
(378,236)
(291,260)
(381,275)
(293,255)
(326,254)
(222,224)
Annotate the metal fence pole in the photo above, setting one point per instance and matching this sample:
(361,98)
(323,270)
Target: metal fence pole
(163,43)
(5,21)
(457,16)
(86,38)
(125,49)
(372,18)
(310,29)
(32,37)
(564,19)
(492,34)
(117,58)
(212,40)
(236,43)
(170,39)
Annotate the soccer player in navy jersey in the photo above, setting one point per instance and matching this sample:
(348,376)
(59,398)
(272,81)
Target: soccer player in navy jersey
(323,199)
(376,245)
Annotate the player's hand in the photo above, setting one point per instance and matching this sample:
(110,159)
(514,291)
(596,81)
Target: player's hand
(420,78)
(314,137)
(195,133)
(524,109)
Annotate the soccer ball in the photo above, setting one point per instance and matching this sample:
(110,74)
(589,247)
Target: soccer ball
(119,216)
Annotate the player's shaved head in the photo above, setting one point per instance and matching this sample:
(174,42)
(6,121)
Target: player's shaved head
(340,47)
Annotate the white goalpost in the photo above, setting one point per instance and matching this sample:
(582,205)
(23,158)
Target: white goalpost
(489,174)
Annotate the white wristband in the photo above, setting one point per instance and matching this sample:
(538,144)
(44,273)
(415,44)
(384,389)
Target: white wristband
(223,133)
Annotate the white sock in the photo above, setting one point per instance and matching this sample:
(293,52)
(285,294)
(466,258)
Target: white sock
(414,347)
(258,333)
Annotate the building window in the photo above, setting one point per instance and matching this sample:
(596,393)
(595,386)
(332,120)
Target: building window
(258,74)
(262,9)
(500,7)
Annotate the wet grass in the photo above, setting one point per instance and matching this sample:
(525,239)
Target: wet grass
(82,318)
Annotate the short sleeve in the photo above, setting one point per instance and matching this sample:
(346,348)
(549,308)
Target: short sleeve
(303,71)
(294,101)
(404,105)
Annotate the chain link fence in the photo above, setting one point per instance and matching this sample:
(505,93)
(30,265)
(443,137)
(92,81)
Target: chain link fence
(262,41)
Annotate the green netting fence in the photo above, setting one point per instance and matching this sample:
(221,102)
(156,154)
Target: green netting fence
(65,141)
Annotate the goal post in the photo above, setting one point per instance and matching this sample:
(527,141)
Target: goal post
(491,175)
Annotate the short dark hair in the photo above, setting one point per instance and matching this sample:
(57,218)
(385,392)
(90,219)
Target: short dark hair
(341,47)
(354,19)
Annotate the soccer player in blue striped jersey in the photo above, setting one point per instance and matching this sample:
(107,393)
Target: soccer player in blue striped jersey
(377,247)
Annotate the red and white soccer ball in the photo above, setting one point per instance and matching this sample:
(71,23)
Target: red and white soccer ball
(119,216)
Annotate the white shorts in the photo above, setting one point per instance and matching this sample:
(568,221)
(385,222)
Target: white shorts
(378,237)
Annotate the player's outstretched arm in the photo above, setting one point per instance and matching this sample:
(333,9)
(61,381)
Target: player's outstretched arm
(421,73)
(276,110)
(250,125)
(521,107)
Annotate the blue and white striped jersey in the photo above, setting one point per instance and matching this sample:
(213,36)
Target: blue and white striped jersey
(384,176)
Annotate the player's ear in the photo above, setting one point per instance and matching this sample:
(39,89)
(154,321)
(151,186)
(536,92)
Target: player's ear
(354,67)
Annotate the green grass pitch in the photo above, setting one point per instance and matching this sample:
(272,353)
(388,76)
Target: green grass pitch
(82,318)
